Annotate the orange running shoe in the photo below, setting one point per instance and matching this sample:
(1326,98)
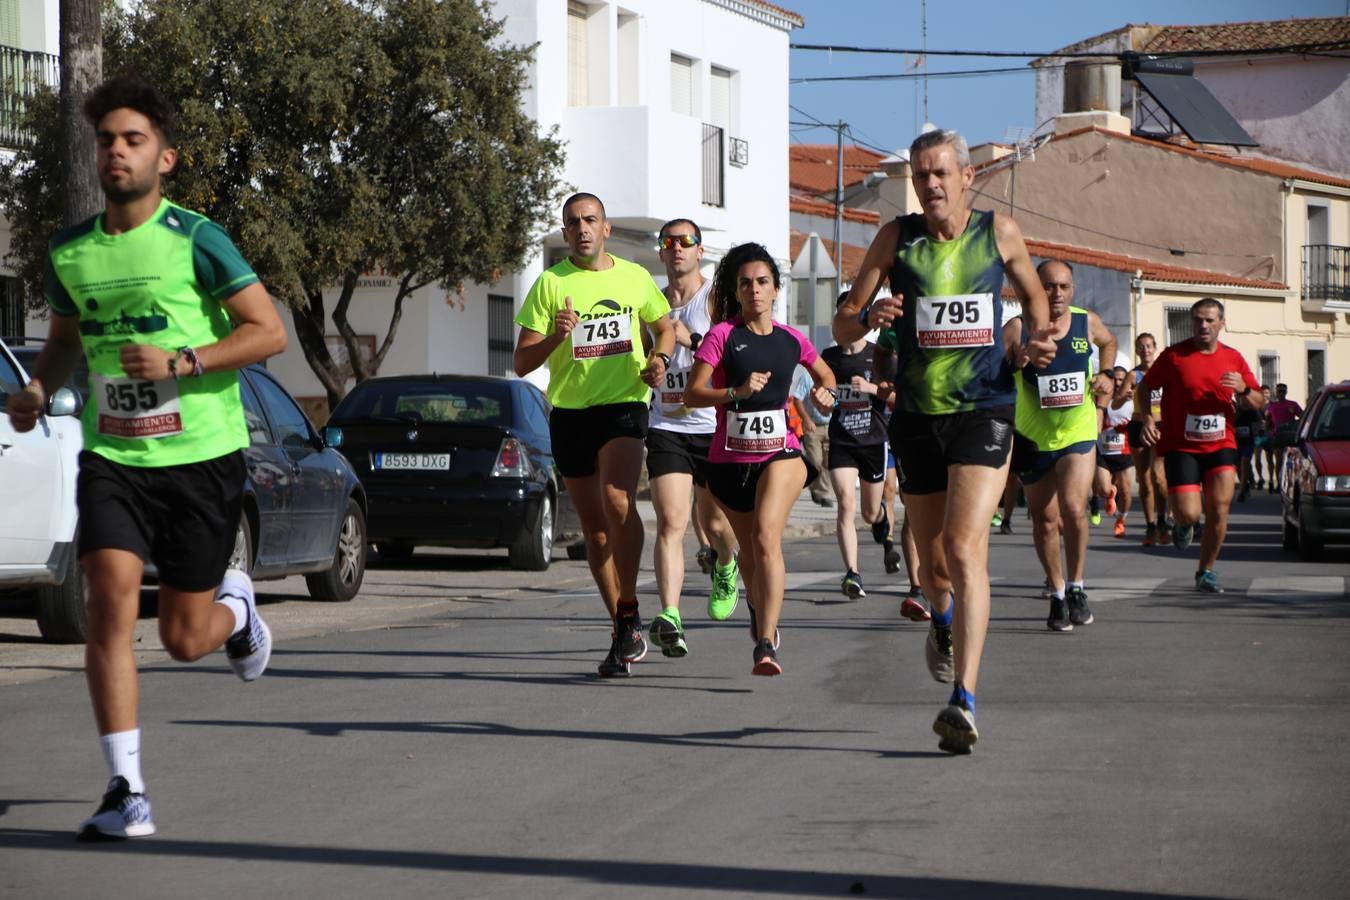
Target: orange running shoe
(1119,530)
(1111,508)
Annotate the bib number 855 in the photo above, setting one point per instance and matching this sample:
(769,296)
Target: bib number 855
(127,397)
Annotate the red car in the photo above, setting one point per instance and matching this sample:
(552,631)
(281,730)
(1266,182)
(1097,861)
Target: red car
(1316,493)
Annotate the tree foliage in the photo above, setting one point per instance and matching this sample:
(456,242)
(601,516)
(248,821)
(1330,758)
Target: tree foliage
(332,138)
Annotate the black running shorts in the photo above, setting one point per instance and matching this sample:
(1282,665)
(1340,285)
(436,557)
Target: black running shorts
(926,445)
(869,460)
(181,518)
(1187,471)
(678,452)
(735,484)
(578,434)
(1114,464)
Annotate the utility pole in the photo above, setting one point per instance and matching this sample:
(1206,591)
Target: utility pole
(839,208)
(81,44)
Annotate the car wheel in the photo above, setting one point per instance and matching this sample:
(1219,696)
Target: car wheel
(395,551)
(241,557)
(535,549)
(341,581)
(1309,547)
(60,612)
(1289,535)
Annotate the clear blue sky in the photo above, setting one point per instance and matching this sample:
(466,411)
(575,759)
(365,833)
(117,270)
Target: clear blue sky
(887,113)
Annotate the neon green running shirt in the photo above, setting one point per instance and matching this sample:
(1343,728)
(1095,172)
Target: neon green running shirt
(162,284)
(601,362)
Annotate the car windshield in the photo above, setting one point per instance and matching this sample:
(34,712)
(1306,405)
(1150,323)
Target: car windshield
(1333,419)
(461,402)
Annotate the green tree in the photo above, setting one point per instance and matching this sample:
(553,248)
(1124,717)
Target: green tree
(332,138)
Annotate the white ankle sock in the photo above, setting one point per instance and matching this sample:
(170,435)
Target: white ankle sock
(233,593)
(239,608)
(122,750)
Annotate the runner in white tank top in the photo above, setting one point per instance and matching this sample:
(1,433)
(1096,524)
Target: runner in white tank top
(677,450)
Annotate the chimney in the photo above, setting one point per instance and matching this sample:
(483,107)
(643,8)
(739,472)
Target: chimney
(1091,97)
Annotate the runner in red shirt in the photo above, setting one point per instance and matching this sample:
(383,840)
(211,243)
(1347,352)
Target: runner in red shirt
(1280,411)
(1202,381)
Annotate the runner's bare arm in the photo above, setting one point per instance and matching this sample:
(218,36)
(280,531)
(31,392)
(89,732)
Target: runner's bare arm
(1012,342)
(1022,275)
(533,348)
(823,376)
(663,342)
(54,365)
(257,335)
(699,393)
(883,372)
(1103,385)
(875,268)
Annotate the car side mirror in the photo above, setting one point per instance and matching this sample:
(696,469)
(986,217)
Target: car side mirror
(64,402)
(332,436)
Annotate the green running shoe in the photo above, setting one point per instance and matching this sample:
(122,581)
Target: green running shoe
(1095,517)
(996,521)
(667,632)
(724,596)
(1207,582)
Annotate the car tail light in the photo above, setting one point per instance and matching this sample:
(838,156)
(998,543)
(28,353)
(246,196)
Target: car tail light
(511,460)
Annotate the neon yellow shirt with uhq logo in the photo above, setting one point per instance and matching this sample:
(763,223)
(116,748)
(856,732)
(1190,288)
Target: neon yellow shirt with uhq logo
(161,283)
(601,363)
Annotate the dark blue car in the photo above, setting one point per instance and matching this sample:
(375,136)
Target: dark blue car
(452,461)
(304,507)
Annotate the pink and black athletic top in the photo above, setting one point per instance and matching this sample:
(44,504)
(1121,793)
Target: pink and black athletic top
(754,429)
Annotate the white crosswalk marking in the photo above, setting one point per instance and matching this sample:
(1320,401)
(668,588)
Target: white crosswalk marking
(1328,586)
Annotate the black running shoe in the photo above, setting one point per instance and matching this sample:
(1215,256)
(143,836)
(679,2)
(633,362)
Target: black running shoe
(614,665)
(707,558)
(955,725)
(754,627)
(893,560)
(938,653)
(881,529)
(121,815)
(1058,620)
(628,637)
(766,659)
(1005,527)
(1079,611)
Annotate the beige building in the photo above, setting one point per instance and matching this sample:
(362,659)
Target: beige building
(1269,239)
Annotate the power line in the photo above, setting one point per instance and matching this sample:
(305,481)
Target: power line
(959,73)
(1083,54)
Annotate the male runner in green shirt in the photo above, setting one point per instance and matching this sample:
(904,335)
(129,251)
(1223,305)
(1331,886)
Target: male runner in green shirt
(166,311)
(583,317)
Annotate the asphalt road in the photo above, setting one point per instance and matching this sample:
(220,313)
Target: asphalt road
(444,735)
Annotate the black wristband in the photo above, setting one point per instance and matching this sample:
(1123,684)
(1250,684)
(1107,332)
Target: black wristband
(665,357)
(1245,391)
(694,340)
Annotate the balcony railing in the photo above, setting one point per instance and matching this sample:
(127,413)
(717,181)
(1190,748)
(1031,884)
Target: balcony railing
(714,157)
(22,72)
(1326,274)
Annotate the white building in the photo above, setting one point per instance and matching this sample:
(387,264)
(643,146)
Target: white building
(668,109)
